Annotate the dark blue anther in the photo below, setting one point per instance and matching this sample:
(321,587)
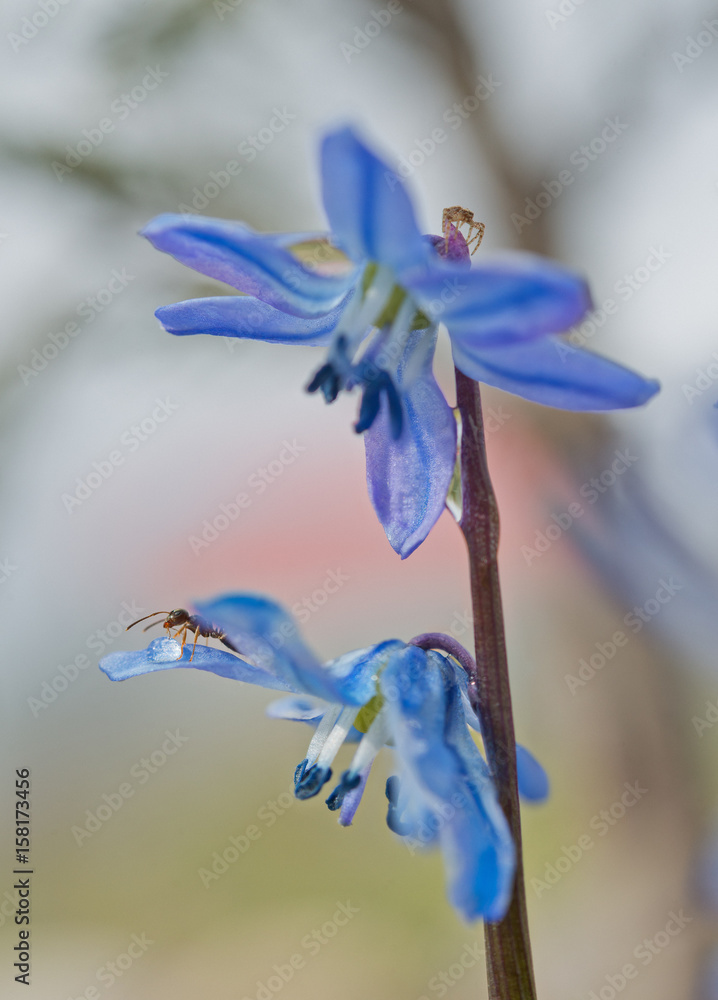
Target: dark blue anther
(312,782)
(299,771)
(375,383)
(392,816)
(392,789)
(347,782)
(396,413)
(369,409)
(325,374)
(395,824)
(331,377)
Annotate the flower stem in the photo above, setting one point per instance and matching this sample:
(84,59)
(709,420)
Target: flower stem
(508,948)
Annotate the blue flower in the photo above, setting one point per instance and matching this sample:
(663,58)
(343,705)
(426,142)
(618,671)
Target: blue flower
(379,318)
(391,693)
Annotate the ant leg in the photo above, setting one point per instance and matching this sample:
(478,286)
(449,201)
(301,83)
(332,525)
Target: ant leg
(184,637)
(194,644)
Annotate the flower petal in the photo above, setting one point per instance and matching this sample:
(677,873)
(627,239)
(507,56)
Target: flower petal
(257,264)
(232,316)
(550,371)
(263,632)
(164,654)
(533,780)
(302,708)
(408,478)
(444,775)
(297,708)
(513,297)
(369,211)
(354,675)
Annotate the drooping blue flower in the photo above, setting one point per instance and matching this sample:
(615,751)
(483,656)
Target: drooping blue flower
(380,317)
(390,693)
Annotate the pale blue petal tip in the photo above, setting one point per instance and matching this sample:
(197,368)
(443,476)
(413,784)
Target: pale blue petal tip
(532,778)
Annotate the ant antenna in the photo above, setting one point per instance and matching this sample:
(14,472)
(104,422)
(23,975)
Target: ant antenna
(152,624)
(145,619)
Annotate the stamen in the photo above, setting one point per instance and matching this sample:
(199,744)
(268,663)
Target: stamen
(347,783)
(393,820)
(352,800)
(359,317)
(371,743)
(378,383)
(320,377)
(392,789)
(332,376)
(399,335)
(325,745)
(322,731)
(377,304)
(369,409)
(337,736)
(312,782)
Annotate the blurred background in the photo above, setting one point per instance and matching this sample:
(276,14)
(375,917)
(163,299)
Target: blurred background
(584,131)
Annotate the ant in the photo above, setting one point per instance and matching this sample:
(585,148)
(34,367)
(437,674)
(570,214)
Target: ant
(183,621)
(458,216)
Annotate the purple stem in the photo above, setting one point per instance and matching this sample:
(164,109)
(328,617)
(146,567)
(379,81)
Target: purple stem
(508,948)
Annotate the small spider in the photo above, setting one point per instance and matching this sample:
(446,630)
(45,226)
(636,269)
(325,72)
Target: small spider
(458,216)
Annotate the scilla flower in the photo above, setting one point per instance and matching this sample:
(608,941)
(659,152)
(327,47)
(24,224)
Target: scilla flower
(391,693)
(379,320)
